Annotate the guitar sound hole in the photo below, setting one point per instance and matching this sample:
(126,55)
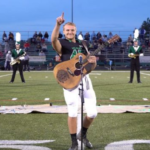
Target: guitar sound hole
(77,65)
(77,72)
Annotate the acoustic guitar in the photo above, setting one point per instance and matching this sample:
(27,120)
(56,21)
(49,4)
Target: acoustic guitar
(68,73)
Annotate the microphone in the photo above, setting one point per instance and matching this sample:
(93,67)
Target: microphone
(80,59)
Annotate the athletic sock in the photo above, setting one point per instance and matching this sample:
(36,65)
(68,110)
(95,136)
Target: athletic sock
(74,139)
(84,131)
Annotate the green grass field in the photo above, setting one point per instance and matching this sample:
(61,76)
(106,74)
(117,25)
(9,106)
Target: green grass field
(107,128)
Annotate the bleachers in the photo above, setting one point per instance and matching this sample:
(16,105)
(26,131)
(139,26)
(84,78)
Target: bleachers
(120,59)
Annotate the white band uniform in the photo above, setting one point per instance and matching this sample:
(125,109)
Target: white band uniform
(73,99)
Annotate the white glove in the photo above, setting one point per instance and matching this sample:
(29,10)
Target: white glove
(12,59)
(21,58)
(141,54)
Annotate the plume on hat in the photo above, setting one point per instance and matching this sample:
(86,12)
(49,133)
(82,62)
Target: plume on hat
(136,35)
(18,38)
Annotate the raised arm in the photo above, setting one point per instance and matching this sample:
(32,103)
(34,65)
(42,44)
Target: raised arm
(54,37)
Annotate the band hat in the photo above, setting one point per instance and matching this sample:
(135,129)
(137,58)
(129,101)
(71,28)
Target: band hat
(135,40)
(136,35)
(18,38)
(17,43)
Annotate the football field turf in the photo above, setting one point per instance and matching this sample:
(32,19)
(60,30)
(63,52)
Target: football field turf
(106,129)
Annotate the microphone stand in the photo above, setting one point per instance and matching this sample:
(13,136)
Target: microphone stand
(82,102)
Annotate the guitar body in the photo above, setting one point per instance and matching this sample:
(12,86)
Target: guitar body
(68,73)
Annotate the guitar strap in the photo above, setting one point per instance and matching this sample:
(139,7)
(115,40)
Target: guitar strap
(85,46)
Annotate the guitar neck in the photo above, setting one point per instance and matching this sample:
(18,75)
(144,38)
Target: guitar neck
(95,52)
(112,40)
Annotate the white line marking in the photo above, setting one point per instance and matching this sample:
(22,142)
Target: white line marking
(125,145)
(112,99)
(47,99)
(145,74)
(14,99)
(145,99)
(5,75)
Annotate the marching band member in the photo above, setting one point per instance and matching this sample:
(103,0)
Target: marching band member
(134,52)
(16,59)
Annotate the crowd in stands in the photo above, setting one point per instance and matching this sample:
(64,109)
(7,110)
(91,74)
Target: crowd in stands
(39,37)
(95,39)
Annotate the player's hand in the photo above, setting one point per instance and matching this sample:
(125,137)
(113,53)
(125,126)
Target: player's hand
(92,59)
(60,20)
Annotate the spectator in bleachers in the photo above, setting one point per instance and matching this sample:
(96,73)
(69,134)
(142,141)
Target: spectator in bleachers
(122,49)
(38,47)
(98,35)
(42,40)
(8,60)
(35,35)
(87,36)
(1,54)
(95,44)
(104,38)
(41,53)
(146,41)
(142,33)
(57,58)
(93,36)
(149,46)
(26,62)
(109,48)
(100,42)
(80,36)
(6,47)
(33,39)
(11,36)
(1,49)
(38,39)
(44,47)
(40,35)
(110,35)
(46,36)
(129,41)
(26,46)
(4,37)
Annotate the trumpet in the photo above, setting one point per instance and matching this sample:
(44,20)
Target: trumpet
(16,60)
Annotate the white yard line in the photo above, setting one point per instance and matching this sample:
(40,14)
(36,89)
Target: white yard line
(5,75)
(145,74)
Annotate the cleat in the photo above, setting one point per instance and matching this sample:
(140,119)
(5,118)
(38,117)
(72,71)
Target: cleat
(73,147)
(86,142)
